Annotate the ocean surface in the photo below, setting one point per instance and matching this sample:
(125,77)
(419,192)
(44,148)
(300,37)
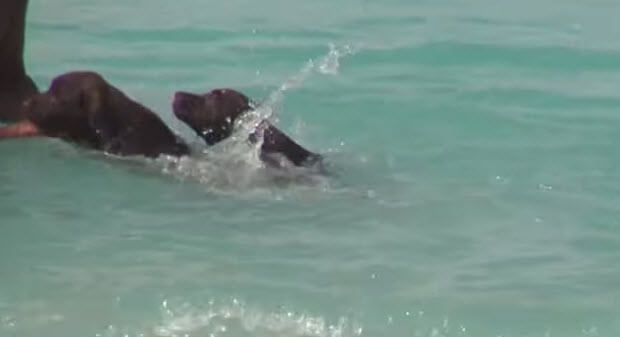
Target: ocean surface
(471,184)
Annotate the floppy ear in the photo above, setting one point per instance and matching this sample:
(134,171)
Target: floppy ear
(92,104)
(90,100)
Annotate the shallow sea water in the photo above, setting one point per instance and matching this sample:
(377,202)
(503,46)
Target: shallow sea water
(472,189)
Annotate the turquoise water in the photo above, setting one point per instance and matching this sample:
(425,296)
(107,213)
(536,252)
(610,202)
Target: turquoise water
(473,191)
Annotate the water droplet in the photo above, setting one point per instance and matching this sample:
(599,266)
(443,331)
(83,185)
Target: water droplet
(545,187)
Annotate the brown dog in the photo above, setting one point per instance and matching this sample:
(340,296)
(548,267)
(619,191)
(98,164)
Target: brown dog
(81,107)
(212,117)
(15,85)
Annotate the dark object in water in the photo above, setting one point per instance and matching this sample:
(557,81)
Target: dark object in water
(81,107)
(15,85)
(212,117)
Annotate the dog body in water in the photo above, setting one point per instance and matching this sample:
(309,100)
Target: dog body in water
(81,107)
(212,116)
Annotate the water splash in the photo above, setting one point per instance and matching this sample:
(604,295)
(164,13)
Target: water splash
(234,163)
(235,318)
(238,319)
(234,167)
(329,64)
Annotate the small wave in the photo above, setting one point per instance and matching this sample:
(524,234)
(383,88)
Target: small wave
(234,166)
(237,319)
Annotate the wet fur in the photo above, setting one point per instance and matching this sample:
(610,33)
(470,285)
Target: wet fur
(83,108)
(212,117)
(15,84)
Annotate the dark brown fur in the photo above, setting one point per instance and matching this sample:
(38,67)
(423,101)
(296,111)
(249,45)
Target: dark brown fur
(81,107)
(15,84)
(212,117)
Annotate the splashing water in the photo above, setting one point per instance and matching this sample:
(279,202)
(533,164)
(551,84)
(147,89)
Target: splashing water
(327,65)
(236,319)
(234,163)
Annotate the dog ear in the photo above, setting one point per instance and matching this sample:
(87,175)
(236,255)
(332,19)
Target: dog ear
(105,127)
(90,100)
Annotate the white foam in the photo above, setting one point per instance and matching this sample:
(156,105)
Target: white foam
(238,319)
